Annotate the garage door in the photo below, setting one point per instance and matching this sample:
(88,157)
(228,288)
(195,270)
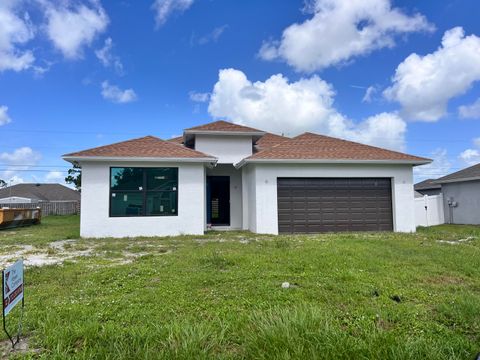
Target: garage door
(312,205)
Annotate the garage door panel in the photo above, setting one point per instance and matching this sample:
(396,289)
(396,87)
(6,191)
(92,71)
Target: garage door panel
(312,205)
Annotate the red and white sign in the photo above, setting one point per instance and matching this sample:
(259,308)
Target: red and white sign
(12,286)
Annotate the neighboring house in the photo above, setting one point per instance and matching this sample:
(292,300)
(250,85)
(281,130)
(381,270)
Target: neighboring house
(228,176)
(461,196)
(35,193)
(428,187)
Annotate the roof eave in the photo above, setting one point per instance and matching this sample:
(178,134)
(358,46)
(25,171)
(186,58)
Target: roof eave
(331,161)
(447,181)
(76,159)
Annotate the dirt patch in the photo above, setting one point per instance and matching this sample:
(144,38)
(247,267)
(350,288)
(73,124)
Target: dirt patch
(22,348)
(445,280)
(457,242)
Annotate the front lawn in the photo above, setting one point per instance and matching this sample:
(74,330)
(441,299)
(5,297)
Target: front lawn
(352,296)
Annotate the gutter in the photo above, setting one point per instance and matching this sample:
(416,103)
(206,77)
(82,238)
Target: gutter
(76,159)
(473,178)
(329,161)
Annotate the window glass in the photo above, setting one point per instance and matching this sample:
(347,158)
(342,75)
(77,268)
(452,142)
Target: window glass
(161,203)
(126,179)
(126,204)
(162,179)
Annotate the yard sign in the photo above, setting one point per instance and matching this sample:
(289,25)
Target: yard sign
(12,288)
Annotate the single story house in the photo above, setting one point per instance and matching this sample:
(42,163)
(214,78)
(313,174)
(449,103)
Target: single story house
(461,196)
(227,176)
(35,193)
(428,187)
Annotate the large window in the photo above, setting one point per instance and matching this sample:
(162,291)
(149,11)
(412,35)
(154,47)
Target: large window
(143,191)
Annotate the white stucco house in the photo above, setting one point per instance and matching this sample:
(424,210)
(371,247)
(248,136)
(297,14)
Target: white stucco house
(227,176)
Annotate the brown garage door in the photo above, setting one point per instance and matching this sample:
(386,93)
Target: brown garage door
(312,205)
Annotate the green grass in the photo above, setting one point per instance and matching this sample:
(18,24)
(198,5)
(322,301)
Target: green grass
(356,296)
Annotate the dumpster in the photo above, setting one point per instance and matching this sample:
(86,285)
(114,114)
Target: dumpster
(10,218)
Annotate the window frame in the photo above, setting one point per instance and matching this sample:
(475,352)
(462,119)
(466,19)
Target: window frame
(144,192)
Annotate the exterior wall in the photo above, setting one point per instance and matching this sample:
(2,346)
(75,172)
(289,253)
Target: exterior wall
(265,195)
(95,221)
(249,198)
(228,149)
(429,210)
(467,196)
(236,212)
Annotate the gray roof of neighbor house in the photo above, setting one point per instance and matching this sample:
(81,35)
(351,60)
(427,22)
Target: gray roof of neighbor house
(469,174)
(428,184)
(41,192)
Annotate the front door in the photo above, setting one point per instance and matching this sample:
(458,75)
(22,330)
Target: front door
(218,200)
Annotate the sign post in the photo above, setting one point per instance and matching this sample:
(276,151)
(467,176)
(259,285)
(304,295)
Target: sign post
(12,290)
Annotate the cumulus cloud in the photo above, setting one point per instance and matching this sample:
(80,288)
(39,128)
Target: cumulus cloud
(117,95)
(440,166)
(107,58)
(280,106)
(72,27)
(423,85)
(472,156)
(471,111)
(199,96)
(20,159)
(4,117)
(54,176)
(339,31)
(15,30)
(165,8)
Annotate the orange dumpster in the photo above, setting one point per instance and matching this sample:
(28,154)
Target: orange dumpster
(10,218)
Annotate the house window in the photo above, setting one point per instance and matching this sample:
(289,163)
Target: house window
(143,191)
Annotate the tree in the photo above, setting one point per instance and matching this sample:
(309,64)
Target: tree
(75,177)
(2,183)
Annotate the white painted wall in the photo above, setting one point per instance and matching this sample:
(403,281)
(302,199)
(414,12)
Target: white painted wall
(265,196)
(228,149)
(432,214)
(248,195)
(95,221)
(236,212)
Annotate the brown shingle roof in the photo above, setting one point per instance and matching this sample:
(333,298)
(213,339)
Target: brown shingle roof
(309,146)
(41,192)
(223,126)
(268,140)
(470,173)
(148,146)
(176,140)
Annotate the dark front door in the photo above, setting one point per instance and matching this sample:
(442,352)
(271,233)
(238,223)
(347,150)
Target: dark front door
(311,205)
(218,200)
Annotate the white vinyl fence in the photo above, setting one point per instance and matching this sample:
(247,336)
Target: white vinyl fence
(429,210)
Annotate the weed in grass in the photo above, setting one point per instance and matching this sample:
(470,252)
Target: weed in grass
(217,260)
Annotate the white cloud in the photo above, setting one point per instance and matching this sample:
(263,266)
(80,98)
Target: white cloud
(213,36)
(471,156)
(20,159)
(369,94)
(164,8)
(440,166)
(198,96)
(54,176)
(117,95)
(15,30)
(107,58)
(471,111)
(281,106)
(71,28)
(423,85)
(476,141)
(339,31)
(4,117)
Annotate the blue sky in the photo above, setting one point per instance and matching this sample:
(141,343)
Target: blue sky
(79,74)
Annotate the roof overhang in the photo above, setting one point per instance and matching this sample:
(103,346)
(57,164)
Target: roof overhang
(79,159)
(473,178)
(330,161)
(189,134)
